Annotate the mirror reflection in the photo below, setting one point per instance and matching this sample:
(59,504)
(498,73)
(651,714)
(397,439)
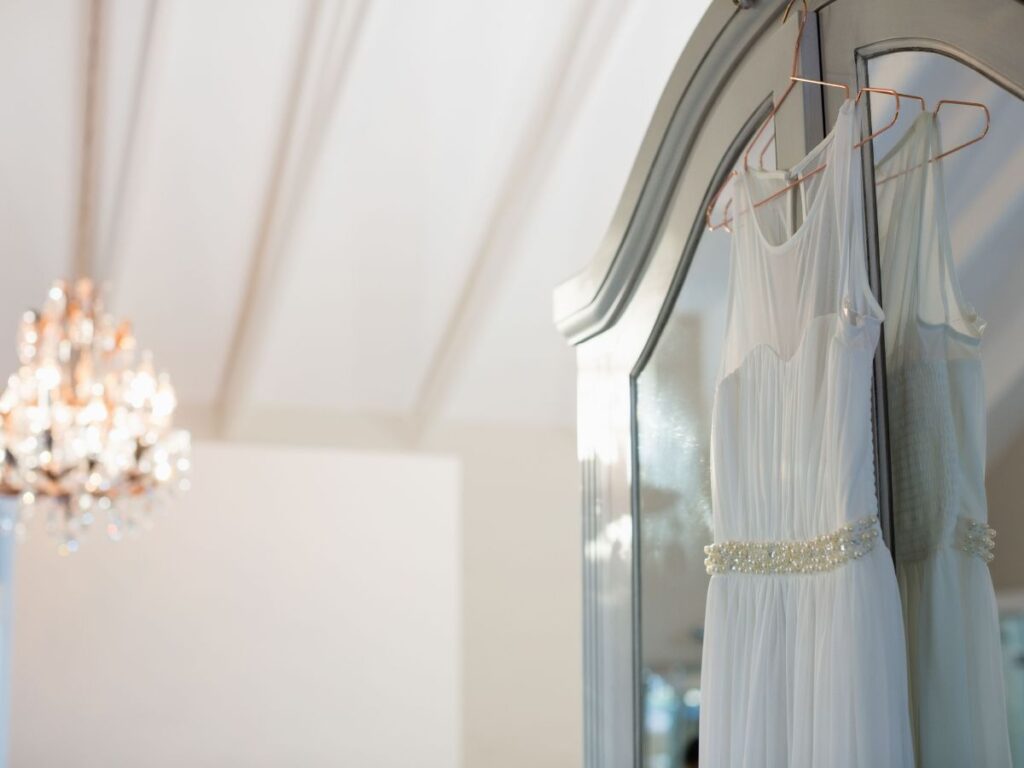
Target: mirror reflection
(674,394)
(949,232)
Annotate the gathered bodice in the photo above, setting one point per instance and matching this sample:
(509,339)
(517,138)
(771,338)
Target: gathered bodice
(791,430)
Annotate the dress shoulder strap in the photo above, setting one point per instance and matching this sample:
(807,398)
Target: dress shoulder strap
(941,299)
(854,296)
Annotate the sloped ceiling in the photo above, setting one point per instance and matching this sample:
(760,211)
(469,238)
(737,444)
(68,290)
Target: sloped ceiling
(331,209)
(328,214)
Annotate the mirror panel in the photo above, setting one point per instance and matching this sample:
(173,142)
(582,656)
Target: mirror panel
(674,395)
(951,379)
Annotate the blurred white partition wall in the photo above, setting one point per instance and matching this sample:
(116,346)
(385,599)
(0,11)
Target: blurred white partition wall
(297,607)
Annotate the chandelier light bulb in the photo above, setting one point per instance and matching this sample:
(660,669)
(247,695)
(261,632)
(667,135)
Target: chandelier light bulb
(86,423)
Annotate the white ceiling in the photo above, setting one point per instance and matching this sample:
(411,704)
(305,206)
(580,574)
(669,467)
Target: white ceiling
(333,208)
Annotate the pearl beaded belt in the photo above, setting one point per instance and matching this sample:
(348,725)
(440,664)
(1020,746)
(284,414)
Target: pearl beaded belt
(824,553)
(975,538)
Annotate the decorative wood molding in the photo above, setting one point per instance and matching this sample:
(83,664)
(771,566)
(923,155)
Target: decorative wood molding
(592,301)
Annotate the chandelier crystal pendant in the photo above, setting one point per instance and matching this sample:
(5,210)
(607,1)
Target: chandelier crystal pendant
(87,423)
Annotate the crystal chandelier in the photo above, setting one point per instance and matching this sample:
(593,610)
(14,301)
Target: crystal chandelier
(87,422)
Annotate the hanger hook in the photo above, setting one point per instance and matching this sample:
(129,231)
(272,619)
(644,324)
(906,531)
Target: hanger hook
(789,7)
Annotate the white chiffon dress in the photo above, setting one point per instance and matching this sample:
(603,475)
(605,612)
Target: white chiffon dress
(936,405)
(804,657)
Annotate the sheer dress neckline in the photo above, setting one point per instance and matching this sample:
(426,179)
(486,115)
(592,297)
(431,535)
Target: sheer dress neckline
(846,309)
(823,147)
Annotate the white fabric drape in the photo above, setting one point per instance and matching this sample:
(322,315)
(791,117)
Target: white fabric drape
(801,669)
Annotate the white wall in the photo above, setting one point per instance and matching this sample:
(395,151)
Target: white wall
(298,608)
(522,569)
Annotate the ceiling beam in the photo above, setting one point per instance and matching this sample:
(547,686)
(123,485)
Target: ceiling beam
(106,263)
(324,53)
(91,124)
(575,69)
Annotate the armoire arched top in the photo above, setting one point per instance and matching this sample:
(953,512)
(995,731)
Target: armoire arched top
(590,302)
(979,33)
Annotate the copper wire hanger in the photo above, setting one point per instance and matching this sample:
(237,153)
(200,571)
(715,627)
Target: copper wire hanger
(938,106)
(794,78)
(768,144)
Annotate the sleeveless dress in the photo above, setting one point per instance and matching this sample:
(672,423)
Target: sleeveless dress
(804,659)
(936,403)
